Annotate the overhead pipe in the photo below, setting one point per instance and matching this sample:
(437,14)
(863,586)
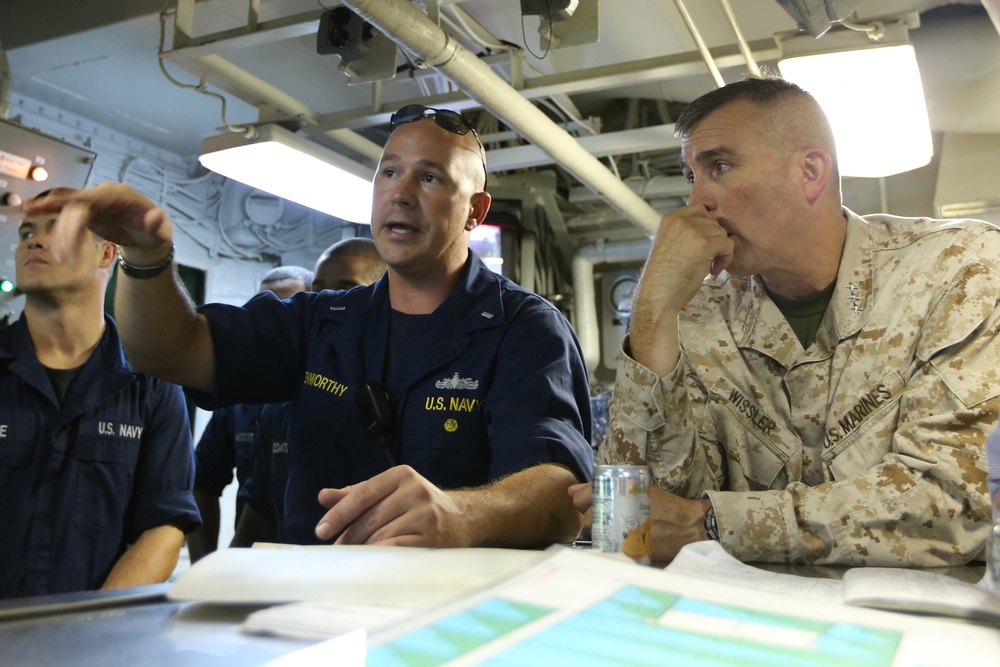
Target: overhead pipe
(993,9)
(752,66)
(411,29)
(700,43)
(588,329)
(6,84)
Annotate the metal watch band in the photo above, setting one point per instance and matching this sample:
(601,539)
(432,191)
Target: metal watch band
(711,524)
(144,272)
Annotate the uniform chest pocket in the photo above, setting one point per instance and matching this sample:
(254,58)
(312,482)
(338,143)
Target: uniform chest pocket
(17,441)
(752,463)
(450,449)
(757,446)
(105,475)
(13,455)
(859,436)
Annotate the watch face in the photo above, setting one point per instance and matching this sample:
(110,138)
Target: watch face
(621,294)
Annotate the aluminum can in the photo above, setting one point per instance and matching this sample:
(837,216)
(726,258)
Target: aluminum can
(620,511)
(993,569)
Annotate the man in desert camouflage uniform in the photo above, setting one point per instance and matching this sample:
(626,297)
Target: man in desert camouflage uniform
(825,393)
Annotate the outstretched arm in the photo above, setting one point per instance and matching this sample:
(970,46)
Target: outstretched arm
(527,509)
(149,561)
(162,334)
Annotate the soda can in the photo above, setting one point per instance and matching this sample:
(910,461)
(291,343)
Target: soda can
(620,515)
(993,564)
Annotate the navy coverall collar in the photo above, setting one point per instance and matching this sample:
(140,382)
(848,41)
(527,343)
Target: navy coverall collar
(18,353)
(476,303)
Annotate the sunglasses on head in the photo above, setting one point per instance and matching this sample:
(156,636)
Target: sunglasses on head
(446,119)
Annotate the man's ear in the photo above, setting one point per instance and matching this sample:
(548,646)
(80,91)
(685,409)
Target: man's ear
(479,207)
(109,253)
(817,166)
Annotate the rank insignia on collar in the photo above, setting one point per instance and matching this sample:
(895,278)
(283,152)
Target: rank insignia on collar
(854,299)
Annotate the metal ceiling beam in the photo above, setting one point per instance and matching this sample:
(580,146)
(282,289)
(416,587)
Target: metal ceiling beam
(261,94)
(201,56)
(657,187)
(266,32)
(653,138)
(647,70)
(409,27)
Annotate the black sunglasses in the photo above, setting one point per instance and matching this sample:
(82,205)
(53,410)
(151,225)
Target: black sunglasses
(446,119)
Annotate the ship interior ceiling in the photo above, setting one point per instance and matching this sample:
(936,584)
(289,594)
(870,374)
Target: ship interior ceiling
(574,100)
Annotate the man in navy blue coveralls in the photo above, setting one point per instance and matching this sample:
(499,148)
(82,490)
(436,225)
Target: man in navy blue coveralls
(486,380)
(96,467)
(227,443)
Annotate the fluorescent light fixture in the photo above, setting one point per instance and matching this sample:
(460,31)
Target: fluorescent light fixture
(870,91)
(292,167)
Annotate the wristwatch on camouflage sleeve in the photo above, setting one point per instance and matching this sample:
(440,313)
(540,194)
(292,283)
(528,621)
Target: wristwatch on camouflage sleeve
(711,524)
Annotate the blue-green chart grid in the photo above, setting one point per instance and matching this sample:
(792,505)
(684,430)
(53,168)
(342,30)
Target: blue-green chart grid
(633,628)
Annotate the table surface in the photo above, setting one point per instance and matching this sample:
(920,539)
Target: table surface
(84,629)
(141,626)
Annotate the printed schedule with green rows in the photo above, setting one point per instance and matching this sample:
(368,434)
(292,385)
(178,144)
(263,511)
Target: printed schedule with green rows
(636,627)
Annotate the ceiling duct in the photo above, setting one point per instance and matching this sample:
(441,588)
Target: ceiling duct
(966,185)
(6,84)
(993,9)
(816,16)
(412,30)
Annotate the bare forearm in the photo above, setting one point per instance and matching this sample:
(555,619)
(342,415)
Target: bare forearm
(675,522)
(655,346)
(688,245)
(149,561)
(528,509)
(162,334)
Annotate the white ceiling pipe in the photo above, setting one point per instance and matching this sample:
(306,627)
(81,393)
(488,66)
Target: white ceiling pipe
(713,69)
(993,9)
(752,66)
(588,328)
(638,140)
(411,29)
(6,84)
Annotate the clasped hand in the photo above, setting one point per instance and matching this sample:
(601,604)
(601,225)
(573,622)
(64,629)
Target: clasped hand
(689,244)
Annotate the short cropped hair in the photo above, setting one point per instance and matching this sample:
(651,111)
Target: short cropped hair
(299,273)
(763,91)
(356,248)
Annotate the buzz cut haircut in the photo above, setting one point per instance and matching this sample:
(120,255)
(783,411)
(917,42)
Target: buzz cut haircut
(299,273)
